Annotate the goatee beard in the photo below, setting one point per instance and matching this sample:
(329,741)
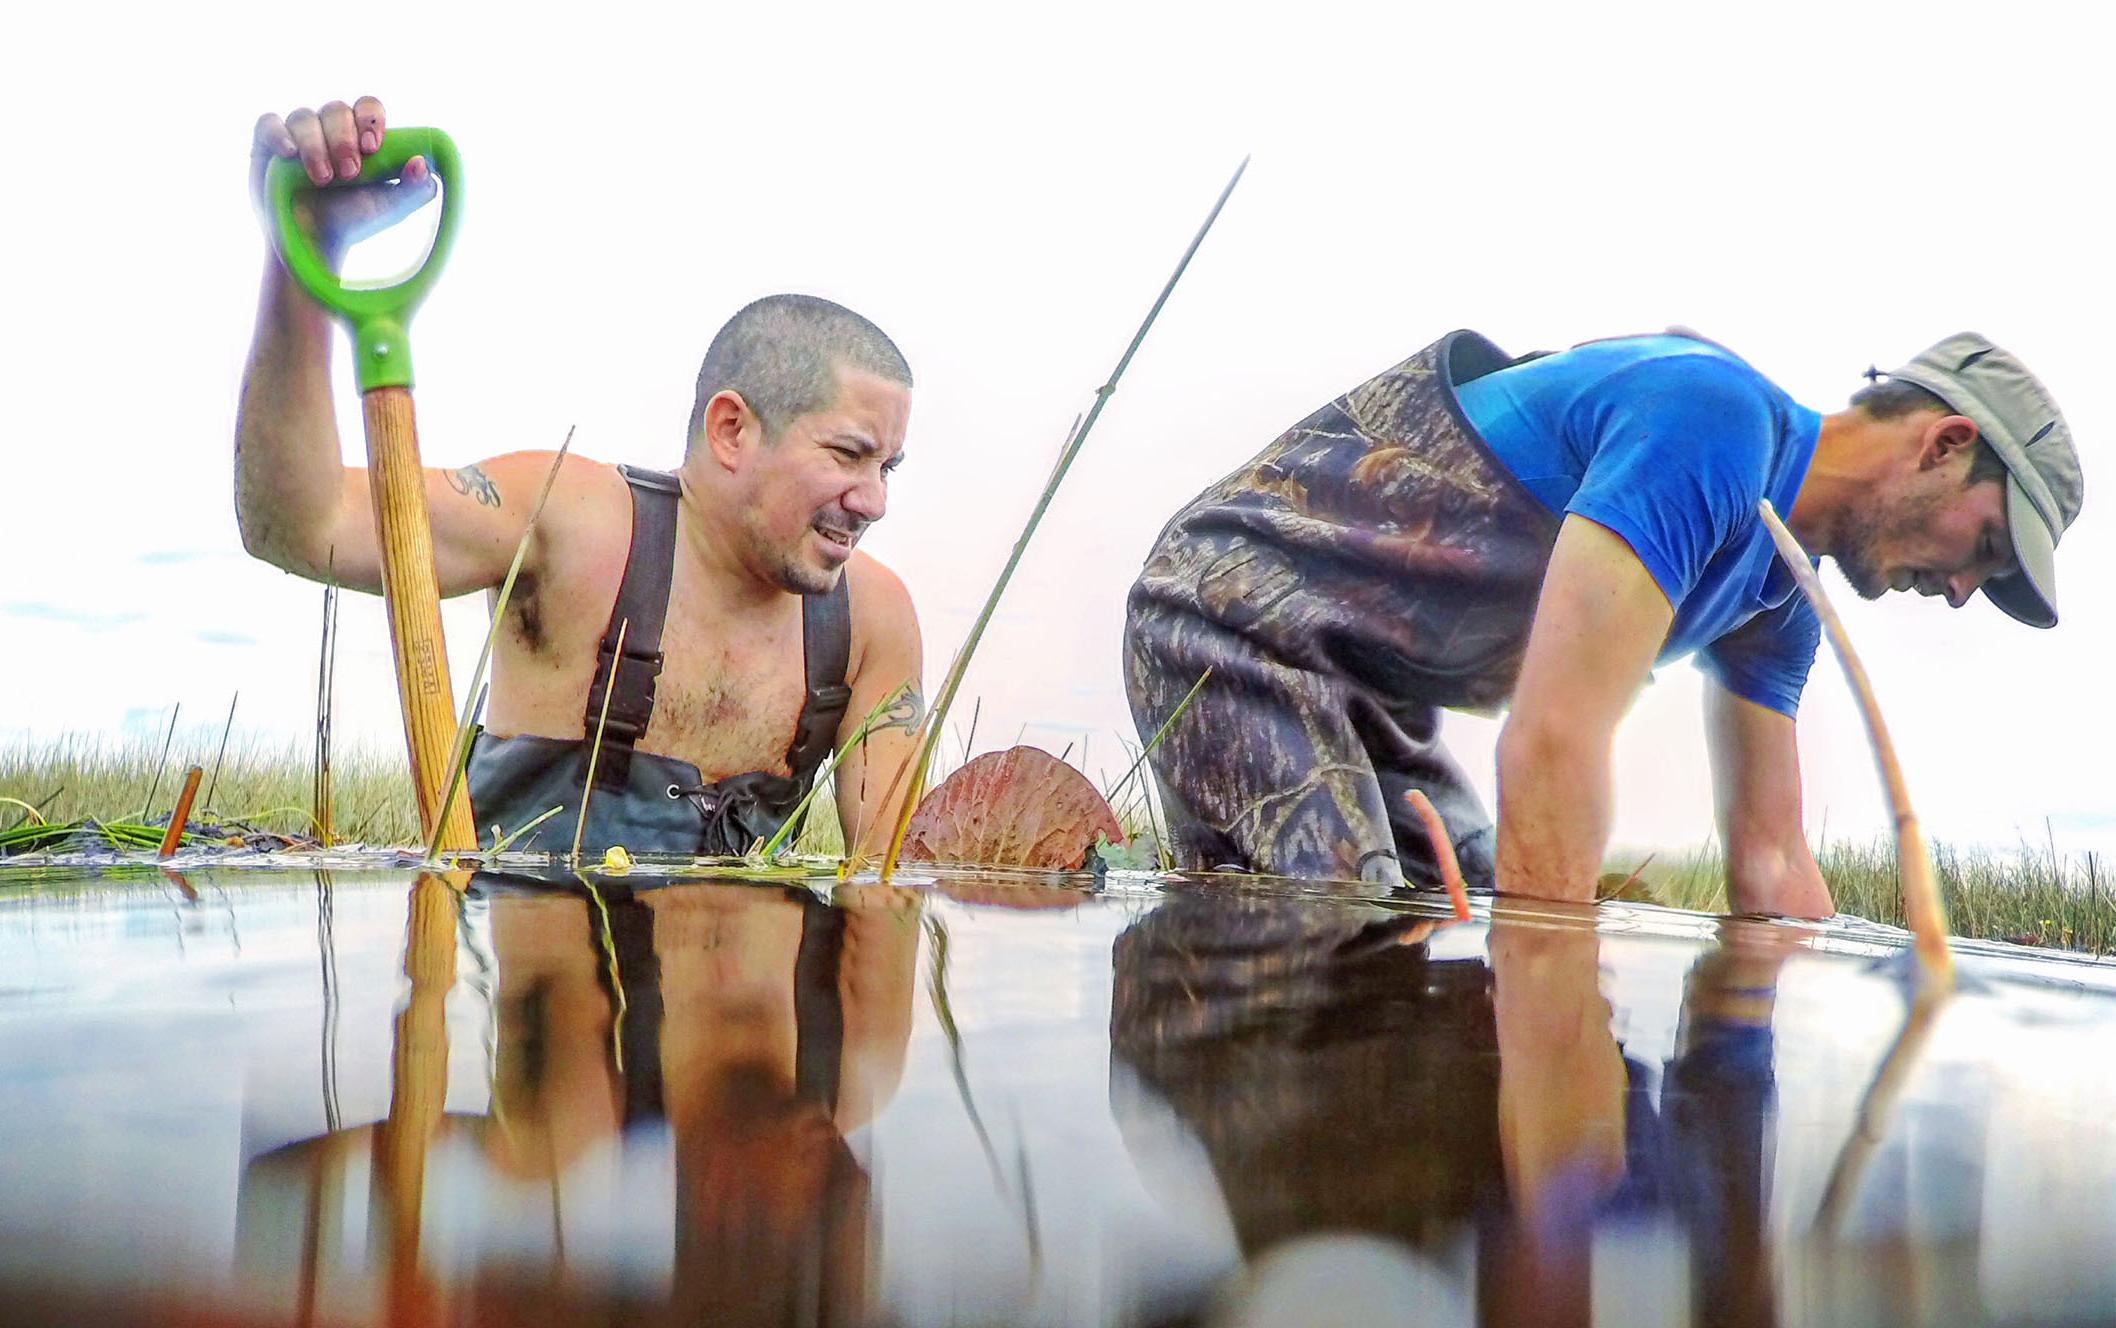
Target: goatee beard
(1860,575)
(799,579)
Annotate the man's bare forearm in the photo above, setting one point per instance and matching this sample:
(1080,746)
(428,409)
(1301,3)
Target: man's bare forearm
(289,478)
(1554,811)
(1756,785)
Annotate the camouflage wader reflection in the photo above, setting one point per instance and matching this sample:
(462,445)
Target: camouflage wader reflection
(1373,566)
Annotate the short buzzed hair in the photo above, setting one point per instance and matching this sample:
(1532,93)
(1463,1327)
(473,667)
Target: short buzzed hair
(1891,398)
(780,354)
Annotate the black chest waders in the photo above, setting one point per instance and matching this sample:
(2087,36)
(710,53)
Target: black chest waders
(1374,565)
(819,1015)
(645,802)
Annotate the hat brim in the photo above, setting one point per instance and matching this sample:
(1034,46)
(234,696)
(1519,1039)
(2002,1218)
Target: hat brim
(2029,595)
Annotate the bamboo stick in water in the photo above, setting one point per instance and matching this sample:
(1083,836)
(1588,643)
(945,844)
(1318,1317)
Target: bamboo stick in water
(1922,906)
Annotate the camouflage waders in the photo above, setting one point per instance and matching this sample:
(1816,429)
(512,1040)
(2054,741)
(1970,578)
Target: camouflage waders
(1374,565)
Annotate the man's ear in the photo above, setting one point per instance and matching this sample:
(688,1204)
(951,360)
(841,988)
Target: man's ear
(731,429)
(1944,438)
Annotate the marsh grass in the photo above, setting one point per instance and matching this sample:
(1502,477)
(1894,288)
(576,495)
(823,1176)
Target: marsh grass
(264,783)
(2034,894)
(270,784)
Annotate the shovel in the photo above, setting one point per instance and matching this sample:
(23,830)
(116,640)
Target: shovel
(377,318)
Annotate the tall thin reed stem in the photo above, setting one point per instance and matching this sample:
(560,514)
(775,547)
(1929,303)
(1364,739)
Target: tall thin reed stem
(326,683)
(920,760)
(580,822)
(1159,733)
(156,786)
(225,730)
(466,723)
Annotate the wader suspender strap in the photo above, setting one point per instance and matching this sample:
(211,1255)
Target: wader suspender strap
(826,644)
(639,1013)
(819,1016)
(643,601)
(819,1013)
(642,605)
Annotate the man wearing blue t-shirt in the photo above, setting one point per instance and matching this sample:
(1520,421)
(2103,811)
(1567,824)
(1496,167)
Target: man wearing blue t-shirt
(1467,530)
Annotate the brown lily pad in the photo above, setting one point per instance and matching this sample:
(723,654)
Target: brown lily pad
(1018,808)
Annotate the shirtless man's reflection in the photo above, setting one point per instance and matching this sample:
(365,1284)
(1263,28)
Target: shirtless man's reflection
(737,1033)
(761,1027)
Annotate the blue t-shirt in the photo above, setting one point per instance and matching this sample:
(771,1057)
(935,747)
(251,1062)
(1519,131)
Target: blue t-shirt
(1670,442)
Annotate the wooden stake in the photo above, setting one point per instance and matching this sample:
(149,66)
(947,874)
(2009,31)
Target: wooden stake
(412,592)
(1443,851)
(182,812)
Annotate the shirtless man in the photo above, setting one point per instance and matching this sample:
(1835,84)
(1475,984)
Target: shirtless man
(758,635)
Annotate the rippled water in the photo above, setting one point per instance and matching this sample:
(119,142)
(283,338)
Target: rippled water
(362,1096)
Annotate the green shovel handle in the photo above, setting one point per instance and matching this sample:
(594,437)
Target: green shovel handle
(377,315)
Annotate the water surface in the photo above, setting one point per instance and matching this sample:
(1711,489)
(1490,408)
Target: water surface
(363,1096)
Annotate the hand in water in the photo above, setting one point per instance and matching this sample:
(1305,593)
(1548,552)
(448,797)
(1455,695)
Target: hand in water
(331,143)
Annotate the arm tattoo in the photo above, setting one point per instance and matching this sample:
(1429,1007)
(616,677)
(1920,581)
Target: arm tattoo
(906,707)
(473,482)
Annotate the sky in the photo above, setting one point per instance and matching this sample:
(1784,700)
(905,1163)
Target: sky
(1003,189)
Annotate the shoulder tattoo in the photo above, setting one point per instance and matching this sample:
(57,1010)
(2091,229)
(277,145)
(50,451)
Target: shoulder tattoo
(473,482)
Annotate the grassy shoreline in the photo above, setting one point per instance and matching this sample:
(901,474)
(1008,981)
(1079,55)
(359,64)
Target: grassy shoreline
(2031,896)
(2034,896)
(262,782)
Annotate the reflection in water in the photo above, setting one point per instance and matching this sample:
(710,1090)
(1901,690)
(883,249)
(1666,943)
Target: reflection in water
(1336,1078)
(737,1034)
(327,965)
(1341,1078)
(405,1101)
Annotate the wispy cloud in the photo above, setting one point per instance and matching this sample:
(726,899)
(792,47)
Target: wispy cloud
(220,638)
(39,611)
(2067,821)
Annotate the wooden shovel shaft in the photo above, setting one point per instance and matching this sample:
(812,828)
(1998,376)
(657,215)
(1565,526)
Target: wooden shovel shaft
(398,481)
(418,1093)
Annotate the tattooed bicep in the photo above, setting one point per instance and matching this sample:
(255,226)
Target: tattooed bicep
(473,482)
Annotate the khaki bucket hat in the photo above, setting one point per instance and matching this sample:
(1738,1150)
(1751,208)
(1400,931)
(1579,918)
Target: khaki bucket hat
(2014,413)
